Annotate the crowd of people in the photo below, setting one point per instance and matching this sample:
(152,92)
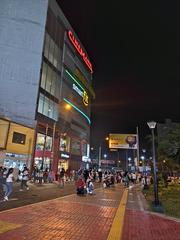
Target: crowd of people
(84,179)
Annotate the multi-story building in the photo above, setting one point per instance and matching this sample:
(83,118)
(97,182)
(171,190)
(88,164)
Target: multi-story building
(46,87)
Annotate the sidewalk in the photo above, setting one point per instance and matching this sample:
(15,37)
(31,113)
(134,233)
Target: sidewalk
(71,217)
(139,224)
(99,217)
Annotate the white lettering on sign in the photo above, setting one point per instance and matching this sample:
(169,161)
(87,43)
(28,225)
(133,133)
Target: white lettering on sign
(64,155)
(77,90)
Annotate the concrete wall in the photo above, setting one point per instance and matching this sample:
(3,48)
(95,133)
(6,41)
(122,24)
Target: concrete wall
(22,26)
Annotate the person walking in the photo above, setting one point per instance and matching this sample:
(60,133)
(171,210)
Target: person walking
(25,178)
(61,177)
(9,184)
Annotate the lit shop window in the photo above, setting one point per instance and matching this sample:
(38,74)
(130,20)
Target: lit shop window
(19,138)
(50,80)
(52,52)
(41,140)
(64,143)
(48,107)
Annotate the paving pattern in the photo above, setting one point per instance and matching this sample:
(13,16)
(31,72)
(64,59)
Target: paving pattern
(68,218)
(140,225)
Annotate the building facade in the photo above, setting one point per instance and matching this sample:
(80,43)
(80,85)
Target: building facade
(46,87)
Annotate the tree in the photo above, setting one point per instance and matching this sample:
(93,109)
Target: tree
(169,148)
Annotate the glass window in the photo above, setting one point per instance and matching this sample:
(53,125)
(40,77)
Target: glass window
(43,76)
(56,111)
(41,103)
(51,51)
(48,79)
(57,88)
(46,45)
(48,143)
(19,138)
(46,107)
(40,141)
(55,55)
(53,83)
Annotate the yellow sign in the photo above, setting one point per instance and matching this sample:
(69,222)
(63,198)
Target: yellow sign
(85,98)
(26,145)
(126,141)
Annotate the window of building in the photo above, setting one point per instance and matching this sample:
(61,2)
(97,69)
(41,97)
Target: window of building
(46,45)
(43,76)
(50,80)
(41,103)
(19,138)
(48,107)
(52,51)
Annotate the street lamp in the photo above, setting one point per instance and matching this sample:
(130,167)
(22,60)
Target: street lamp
(152,126)
(99,152)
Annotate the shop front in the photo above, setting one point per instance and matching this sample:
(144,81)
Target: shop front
(17,143)
(13,160)
(43,152)
(63,161)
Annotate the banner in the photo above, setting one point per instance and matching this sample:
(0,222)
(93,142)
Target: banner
(126,141)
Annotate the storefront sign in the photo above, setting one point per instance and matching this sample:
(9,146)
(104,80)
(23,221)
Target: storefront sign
(83,94)
(64,155)
(86,159)
(78,47)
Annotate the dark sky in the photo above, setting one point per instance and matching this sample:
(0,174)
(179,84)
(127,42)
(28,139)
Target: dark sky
(135,50)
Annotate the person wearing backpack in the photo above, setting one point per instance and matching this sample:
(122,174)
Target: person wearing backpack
(9,184)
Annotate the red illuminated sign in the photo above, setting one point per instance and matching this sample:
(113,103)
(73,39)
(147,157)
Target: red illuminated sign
(78,47)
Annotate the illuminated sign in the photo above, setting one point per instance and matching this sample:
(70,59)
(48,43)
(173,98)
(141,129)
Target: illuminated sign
(126,141)
(78,47)
(64,155)
(83,94)
(77,90)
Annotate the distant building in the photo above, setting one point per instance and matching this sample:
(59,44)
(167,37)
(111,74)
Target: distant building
(46,88)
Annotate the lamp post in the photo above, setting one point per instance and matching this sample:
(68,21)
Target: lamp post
(99,152)
(152,126)
(99,157)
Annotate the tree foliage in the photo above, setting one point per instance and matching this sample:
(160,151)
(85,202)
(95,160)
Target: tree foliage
(169,146)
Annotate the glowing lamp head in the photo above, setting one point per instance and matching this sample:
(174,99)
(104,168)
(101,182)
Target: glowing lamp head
(68,107)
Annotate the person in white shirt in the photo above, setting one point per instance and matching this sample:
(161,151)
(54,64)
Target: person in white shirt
(25,178)
(9,184)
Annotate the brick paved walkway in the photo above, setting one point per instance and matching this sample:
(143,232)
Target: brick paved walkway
(68,218)
(140,225)
(86,218)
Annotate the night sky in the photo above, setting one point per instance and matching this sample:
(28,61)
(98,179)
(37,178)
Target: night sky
(134,47)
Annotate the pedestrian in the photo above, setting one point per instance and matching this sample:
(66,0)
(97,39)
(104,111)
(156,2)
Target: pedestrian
(45,175)
(3,173)
(100,175)
(9,184)
(80,186)
(25,178)
(61,177)
(90,186)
